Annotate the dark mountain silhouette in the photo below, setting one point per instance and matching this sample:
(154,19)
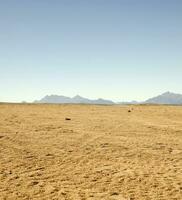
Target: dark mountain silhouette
(75,99)
(166,98)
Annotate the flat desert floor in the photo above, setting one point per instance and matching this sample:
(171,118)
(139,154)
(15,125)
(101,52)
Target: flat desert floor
(102,153)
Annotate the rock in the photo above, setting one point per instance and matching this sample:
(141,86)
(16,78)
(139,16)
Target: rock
(67,118)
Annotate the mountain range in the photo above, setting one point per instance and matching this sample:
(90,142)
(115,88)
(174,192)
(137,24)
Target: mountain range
(165,98)
(75,99)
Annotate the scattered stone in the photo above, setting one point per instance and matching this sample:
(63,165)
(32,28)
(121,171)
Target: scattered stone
(114,193)
(67,118)
(63,193)
(49,154)
(33,183)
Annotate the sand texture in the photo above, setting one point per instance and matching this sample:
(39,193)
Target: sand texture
(102,153)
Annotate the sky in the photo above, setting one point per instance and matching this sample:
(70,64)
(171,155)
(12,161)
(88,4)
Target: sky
(121,50)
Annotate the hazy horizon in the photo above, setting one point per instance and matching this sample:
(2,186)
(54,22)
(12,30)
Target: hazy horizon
(172,95)
(120,50)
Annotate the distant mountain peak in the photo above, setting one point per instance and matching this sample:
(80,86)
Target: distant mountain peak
(166,98)
(77,96)
(166,93)
(75,99)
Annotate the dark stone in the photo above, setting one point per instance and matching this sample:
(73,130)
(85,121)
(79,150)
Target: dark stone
(67,118)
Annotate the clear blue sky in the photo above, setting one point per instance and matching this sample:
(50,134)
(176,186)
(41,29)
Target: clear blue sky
(114,49)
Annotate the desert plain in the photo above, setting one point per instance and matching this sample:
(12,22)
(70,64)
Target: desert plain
(103,153)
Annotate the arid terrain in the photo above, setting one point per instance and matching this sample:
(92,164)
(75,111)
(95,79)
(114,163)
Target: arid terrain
(102,153)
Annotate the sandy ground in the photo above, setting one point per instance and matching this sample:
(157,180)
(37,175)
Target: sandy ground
(102,153)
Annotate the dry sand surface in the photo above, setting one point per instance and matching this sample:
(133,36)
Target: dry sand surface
(102,153)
